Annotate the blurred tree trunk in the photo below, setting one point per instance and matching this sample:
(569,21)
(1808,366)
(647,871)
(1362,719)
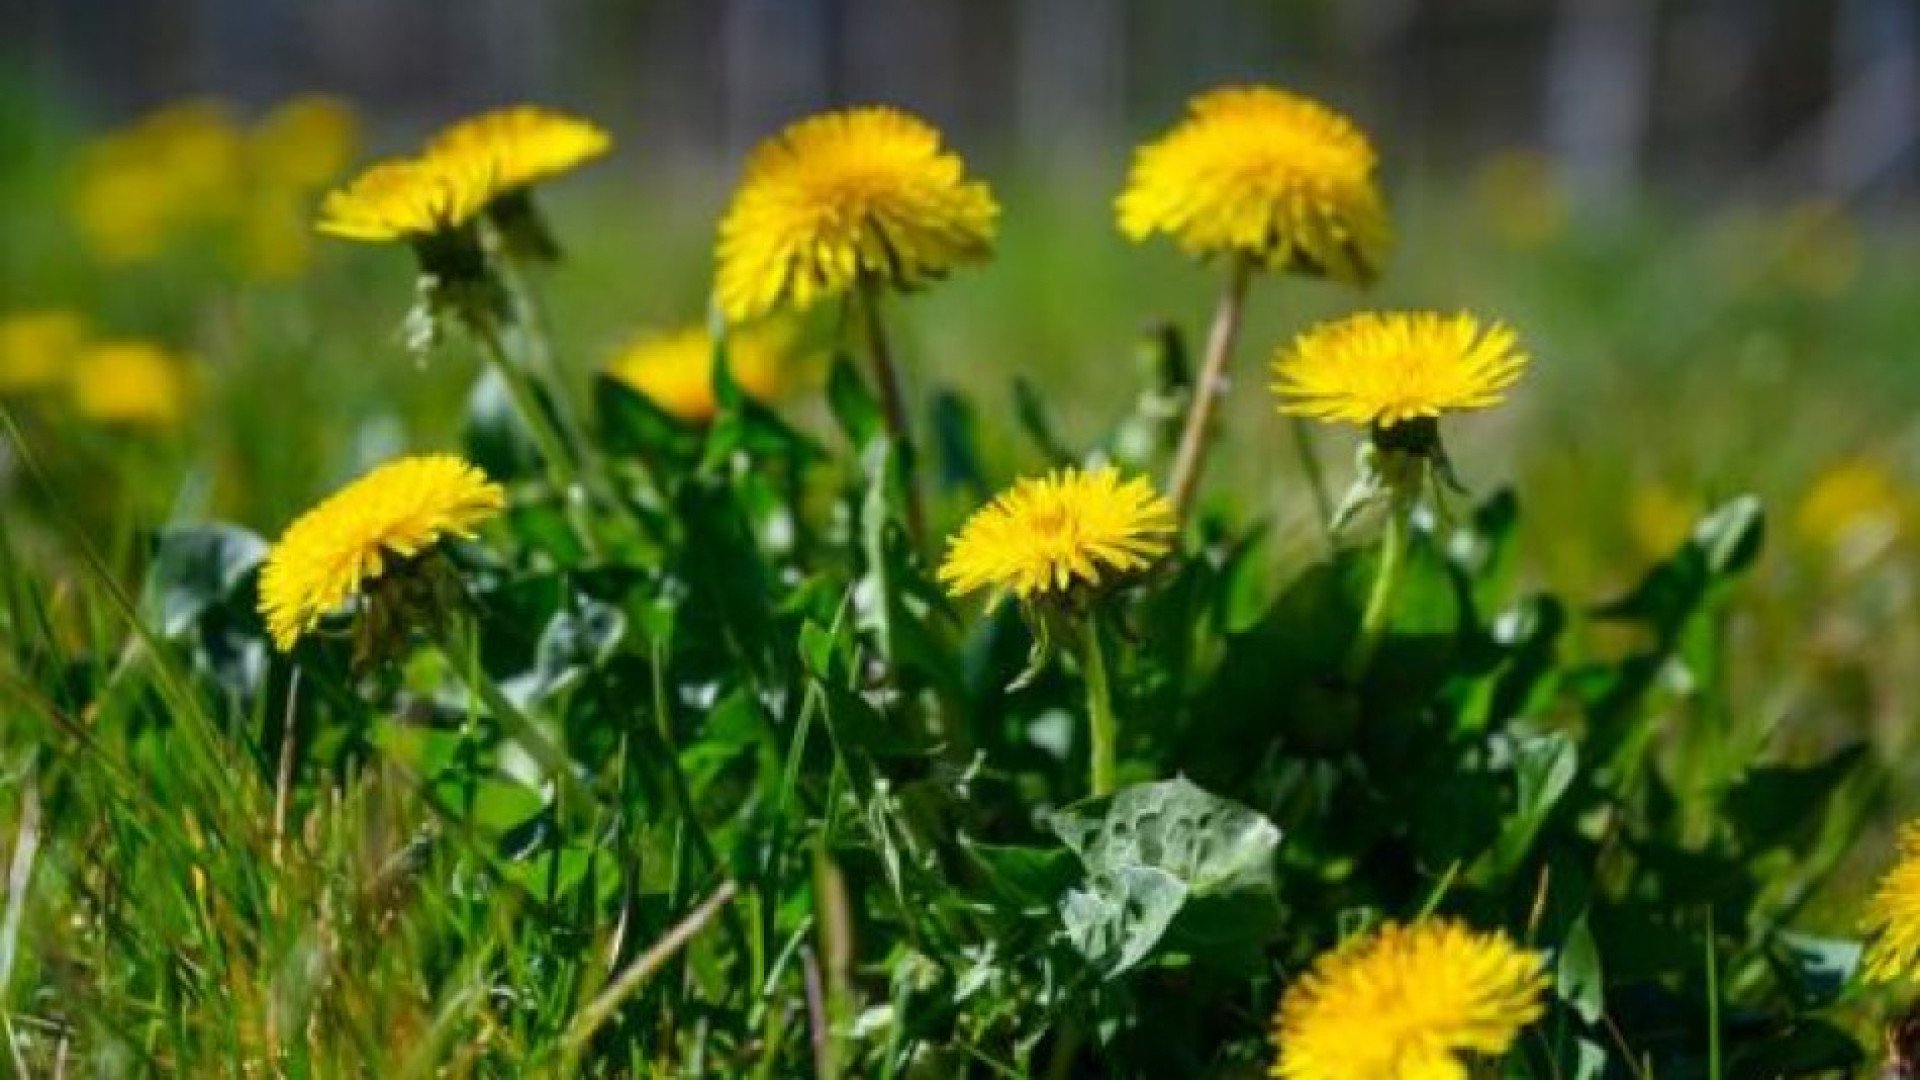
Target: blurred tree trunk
(1070,100)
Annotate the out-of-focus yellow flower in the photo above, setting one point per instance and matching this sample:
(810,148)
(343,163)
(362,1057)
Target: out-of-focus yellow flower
(522,145)
(1659,519)
(1519,191)
(1378,370)
(275,239)
(1893,916)
(131,383)
(395,513)
(140,188)
(408,199)
(1266,174)
(305,143)
(865,193)
(1819,249)
(1408,1002)
(674,370)
(38,349)
(1855,508)
(1048,535)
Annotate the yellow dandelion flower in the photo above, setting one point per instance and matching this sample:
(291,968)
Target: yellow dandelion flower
(837,197)
(1893,916)
(396,512)
(141,187)
(674,370)
(1382,369)
(522,145)
(131,383)
(1047,535)
(37,348)
(1270,175)
(1856,507)
(1406,1002)
(305,142)
(408,199)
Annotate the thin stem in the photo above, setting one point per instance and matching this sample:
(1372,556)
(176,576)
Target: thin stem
(531,320)
(893,401)
(1315,473)
(601,1008)
(1190,459)
(461,643)
(1102,728)
(563,468)
(1386,585)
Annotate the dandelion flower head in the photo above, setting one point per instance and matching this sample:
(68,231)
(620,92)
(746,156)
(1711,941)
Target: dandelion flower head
(522,145)
(408,199)
(1070,527)
(1382,369)
(1266,174)
(674,369)
(132,384)
(867,192)
(1407,1001)
(1893,916)
(396,512)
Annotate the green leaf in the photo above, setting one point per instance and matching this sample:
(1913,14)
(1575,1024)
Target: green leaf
(853,406)
(1773,805)
(1807,1047)
(1154,853)
(1816,970)
(194,568)
(632,424)
(1024,877)
(1578,976)
(1031,412)
(1544,767)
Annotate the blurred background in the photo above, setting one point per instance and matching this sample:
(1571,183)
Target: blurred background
(1705,97)
(1701,214)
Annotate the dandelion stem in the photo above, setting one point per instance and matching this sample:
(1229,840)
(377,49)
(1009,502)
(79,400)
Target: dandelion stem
(1386,585)
(531,320)
(1102,728)
(1188,461)
(893,401)
(563,468)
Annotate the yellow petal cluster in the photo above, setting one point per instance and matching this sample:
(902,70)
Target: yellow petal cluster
(521,145)
(38,349)
(1379,369)
(1893,917)
(131,383)
(834,198)
(141,187)
(408,199)
(1407,1002)
(397,511)
(1069,527)
(1265,174)
(1856,507)
(674,369)
(305,142)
